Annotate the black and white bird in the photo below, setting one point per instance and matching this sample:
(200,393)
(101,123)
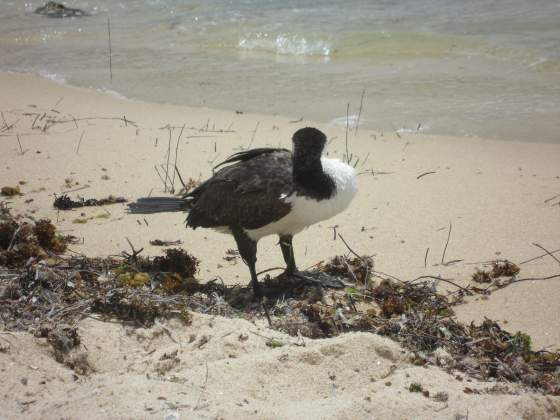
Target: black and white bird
(266,191)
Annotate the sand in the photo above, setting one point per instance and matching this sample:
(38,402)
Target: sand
(494,194)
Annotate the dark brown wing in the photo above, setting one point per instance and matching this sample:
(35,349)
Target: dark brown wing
(245,194)
(249,154)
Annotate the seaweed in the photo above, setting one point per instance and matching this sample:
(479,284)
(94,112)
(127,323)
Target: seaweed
(44,293)
(10,191)
(160,242)
(57,10)
(500,268)
(64,202)
(175,260)
(46,235)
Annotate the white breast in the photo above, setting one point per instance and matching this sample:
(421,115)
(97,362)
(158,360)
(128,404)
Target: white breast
(308,211)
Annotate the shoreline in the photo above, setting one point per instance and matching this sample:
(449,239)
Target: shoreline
(335,120)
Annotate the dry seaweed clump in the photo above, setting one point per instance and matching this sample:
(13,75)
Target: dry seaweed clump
(176,260)
(65,289)
(359,268)
(422,320)
(46,235)
(481,276)
(66,203)
(504,268)
(500,268)
(170,273)
(10,191)
(20,241)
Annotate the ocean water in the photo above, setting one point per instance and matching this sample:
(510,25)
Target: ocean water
(486,68)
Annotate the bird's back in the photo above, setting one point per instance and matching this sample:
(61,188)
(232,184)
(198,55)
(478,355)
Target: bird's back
(246,193)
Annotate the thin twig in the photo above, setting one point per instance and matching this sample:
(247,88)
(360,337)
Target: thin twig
(57,103)
(175,163)
(365,160)
(3,119)
(19,142)
(80,142)
(446,243)
(346,138)
(493,288)
(110,48)
(253,136)
(539,256)
(426,256)
(467,291)
(359,112)
(425,173)
(83,187)
(348,246)
(160,177)
(266,313)
(203,387)
(547,251)
(180,178)
(167,165)
(12,241)
(548,200)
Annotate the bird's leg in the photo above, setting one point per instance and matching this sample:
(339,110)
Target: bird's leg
(312,279)
(248,251)
(288,254)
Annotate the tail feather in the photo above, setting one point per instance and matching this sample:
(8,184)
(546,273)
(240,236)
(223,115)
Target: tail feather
(147,205)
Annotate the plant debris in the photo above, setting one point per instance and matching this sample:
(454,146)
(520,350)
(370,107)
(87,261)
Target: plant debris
(500,268)
(10,191)
(66,203)
(25,242)
(57,10)
(232,255)
(159,242)
(47,293)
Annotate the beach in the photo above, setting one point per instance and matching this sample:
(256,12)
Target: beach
(428,205)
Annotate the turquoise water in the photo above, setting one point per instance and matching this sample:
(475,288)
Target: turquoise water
(487,68)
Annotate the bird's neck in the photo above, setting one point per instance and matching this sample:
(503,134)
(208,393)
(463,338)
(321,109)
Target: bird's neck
(311,180)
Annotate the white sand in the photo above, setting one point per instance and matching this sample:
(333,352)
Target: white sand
(492,192)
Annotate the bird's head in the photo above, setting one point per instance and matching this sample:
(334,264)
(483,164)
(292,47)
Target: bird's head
(308,143)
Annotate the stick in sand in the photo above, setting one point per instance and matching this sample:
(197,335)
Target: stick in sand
(19,142)
(79,143)
(547,251)
(110,52)
(253,136)
(446,243)
(359,112)
(346,139)
(539,256)
(167,165)
(175,163)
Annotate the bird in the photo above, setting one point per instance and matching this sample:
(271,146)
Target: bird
(266,191)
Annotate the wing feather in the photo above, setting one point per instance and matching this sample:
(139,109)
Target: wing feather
(247,193)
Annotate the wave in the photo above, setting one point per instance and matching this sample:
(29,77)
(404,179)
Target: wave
(288,44)
(58,78)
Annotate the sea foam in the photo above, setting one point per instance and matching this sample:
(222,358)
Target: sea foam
(289,44)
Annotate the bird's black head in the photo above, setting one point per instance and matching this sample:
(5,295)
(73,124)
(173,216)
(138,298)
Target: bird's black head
(308,143)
